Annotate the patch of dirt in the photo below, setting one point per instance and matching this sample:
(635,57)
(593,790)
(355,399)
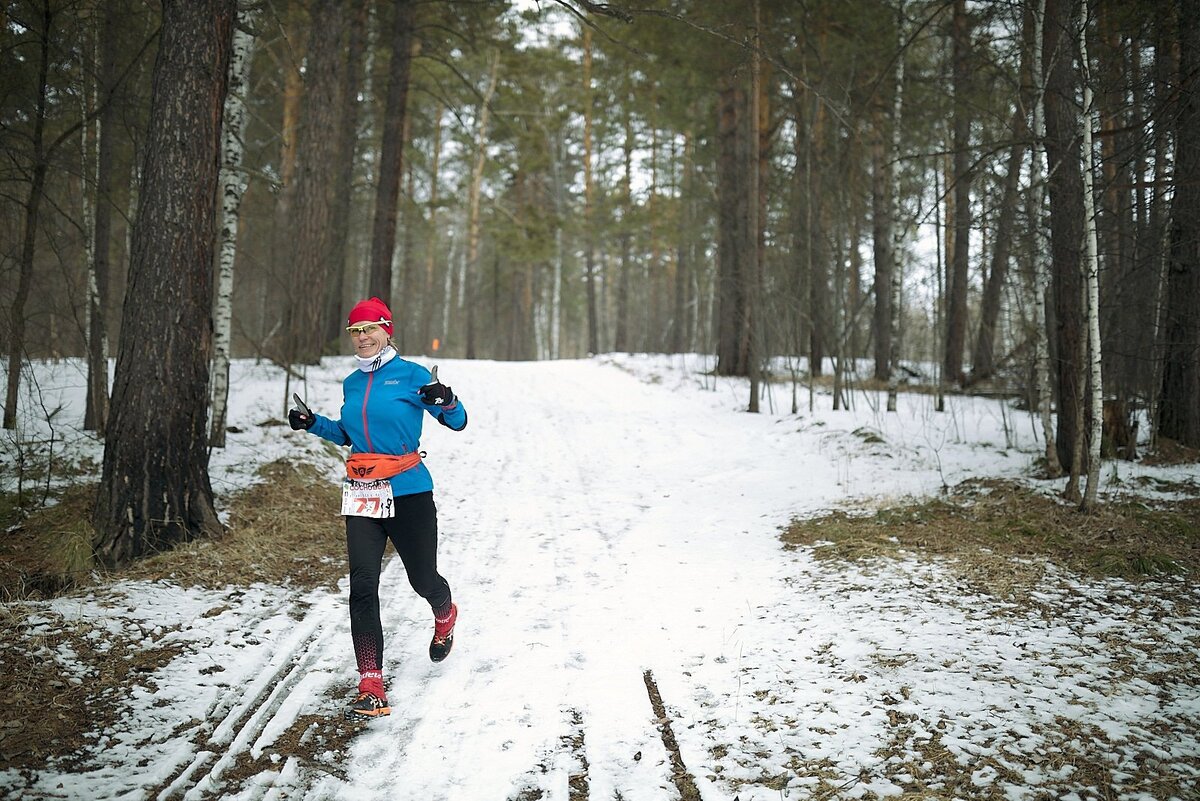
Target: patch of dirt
(684,783)
(1169,453)
(60,688)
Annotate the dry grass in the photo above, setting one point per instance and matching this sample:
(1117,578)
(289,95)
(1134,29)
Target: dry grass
(999,533)
(285,531)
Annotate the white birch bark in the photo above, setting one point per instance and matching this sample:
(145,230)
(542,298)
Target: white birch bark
(1091,272)
(897,230)
(233,183)
(1041,247)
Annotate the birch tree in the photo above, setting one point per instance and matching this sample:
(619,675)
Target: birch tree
(232,186)
(1091,269)
(896,275)
(1041,250)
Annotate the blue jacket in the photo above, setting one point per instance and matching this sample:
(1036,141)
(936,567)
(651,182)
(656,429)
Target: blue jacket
(382,412)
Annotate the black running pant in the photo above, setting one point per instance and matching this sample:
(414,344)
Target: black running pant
(413,532)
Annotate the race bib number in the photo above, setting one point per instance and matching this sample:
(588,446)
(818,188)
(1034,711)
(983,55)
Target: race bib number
(367,498)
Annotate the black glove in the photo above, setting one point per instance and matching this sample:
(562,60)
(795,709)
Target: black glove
(300,417)
(435,393)
(299,420)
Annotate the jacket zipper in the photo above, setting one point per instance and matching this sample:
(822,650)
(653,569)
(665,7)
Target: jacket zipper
(366,396)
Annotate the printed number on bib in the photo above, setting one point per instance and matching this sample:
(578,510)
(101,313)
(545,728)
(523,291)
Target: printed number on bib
(367,498)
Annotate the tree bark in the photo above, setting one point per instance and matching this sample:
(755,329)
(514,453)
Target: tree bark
(733,237)
(589,244)
(621,329)
(233,182)
(95,415)
(956,307)
(311,242)
(1066,221)
(896,279)
(155,492)
(428,303)
(391,158)
(881,233)
(33,204)
(1041,248)
(344,154)
(983,364)
(481,133)
(1091,272)
(1179,401)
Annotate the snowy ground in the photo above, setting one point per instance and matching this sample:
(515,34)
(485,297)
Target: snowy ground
(612,522)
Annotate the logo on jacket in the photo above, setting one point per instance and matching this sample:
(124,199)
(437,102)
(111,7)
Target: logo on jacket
(391,381)
(363,472)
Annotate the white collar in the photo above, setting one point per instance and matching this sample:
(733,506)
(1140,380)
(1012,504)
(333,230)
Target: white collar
(369,364)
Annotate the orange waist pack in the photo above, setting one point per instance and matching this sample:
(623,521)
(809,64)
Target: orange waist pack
(376,466)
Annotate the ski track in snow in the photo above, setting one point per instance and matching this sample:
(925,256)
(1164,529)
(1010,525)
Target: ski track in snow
(606,517)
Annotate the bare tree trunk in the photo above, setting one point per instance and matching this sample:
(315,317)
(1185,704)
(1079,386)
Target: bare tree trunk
(155,491)
(956,309)
(621,331)
(1066,220)
(753,262)
(731,217)
(1179,401)
(33,203)
(95,416)
(983,364)
(1041,247)
(233,181)
(589,246)
(1091,270)
(311,243)
(391,159)
(683,262)
(821,329)
(431,243)
(481,133)
(343,159)
(882,210)
(282,225)
(557,147)
(896,279)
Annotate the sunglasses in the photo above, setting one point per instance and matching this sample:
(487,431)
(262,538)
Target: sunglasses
(366,328)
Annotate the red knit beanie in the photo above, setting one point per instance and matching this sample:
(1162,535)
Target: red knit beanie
(373,310)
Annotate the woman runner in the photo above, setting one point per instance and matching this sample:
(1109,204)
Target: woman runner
(388,492)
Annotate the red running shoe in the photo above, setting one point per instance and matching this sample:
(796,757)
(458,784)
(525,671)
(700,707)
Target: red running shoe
(443,635)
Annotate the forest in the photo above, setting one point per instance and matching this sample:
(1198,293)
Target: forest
(986,197)
(832,369)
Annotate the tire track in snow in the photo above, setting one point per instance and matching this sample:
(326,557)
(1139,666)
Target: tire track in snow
(311,643)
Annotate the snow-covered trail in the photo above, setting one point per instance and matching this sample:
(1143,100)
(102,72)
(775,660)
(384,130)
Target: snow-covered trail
(609,518)
(581,554)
